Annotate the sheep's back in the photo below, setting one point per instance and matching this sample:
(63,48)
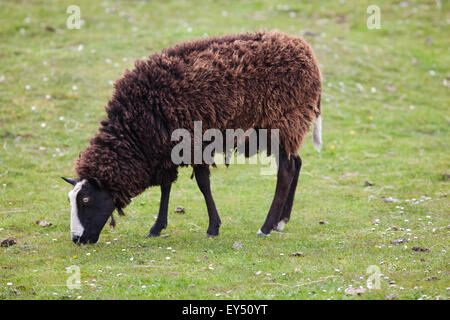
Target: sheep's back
(253,80)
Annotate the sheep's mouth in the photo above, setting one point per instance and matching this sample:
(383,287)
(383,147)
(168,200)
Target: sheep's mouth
(79,240)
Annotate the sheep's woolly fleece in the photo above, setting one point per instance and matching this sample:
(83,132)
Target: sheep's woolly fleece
(254,80)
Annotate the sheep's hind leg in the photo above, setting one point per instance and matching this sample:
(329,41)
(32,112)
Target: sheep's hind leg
(161,221)
(286,173)
(286,214)
(202,177)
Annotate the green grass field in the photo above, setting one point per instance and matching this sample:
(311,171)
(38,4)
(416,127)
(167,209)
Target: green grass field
(386,118)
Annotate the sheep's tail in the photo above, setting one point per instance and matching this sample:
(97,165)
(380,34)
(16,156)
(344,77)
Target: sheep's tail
(317,133)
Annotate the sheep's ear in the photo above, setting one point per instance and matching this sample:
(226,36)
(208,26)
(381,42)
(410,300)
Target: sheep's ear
(96,183)
(72,181)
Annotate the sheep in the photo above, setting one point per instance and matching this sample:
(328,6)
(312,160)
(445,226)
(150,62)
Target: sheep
(261,80)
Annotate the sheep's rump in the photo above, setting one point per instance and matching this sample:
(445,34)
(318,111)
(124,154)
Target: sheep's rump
(255,80)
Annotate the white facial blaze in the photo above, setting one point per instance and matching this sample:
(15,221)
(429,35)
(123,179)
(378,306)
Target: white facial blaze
(76,229)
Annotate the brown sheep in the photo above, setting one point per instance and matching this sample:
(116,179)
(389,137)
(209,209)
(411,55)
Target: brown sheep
(264,80)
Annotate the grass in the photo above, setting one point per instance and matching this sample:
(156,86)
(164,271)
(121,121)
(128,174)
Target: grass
(386,119)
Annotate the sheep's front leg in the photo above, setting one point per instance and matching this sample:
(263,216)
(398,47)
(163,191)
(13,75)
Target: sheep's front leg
(202,177)
(161,221)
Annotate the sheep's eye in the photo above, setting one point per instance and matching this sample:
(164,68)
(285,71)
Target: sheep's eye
(86,199)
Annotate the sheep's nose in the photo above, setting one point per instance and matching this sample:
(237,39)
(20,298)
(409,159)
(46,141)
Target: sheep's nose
(76,239)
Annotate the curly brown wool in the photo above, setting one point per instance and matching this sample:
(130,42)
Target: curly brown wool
(254,80)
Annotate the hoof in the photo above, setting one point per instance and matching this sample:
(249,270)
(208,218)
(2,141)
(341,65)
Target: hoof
(213,231)
(280,226)
(209,235)
(262,234)
(152,235)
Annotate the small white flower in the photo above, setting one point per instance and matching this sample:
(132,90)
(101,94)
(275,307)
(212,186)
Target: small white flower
(61,118)
(74,88)
(189,29)
(359,86)
(27,87)
(80,47)
(43,125)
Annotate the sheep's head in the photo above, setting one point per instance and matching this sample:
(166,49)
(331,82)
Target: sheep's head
(90,207)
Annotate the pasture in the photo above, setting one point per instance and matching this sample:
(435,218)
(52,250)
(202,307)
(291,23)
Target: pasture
(373,205)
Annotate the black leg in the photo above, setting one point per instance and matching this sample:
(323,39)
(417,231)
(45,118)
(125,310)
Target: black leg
(202,177)
(161,221)
(286,172)
(286,214)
